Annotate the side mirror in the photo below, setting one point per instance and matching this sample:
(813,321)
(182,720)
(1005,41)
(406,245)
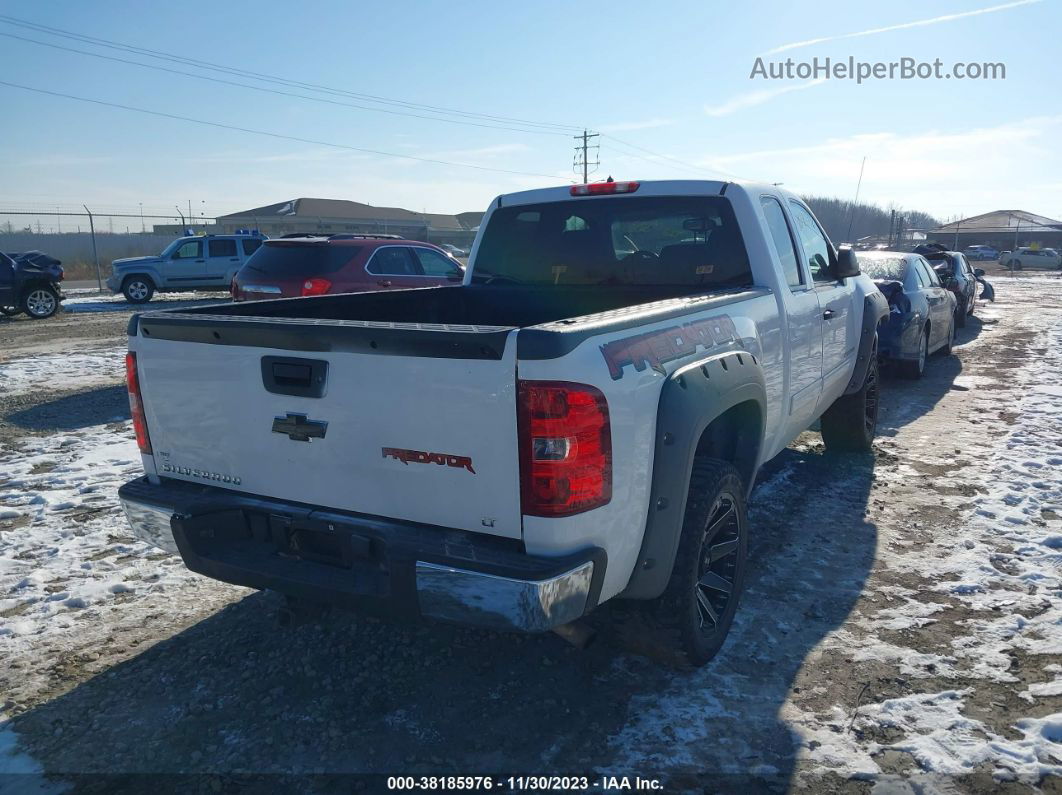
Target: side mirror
(979,272)
(847,264)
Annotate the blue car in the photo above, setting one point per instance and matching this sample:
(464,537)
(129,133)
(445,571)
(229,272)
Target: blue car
(921,310)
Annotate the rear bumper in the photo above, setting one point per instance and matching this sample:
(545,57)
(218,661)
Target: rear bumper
(363,562)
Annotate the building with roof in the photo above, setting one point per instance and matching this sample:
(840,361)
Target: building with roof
(1001,229)
(336,216)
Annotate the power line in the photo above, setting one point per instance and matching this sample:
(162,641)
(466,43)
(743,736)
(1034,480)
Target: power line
(277,91)
(272,134)
(656,157)
(161,55)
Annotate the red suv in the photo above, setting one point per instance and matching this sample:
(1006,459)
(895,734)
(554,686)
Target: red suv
(297,266)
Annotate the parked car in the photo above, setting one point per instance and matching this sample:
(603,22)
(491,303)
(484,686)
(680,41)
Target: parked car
(957,275)
(921,311)
(303,266)
(453,250)
(29,282)
(1025,257)
(203,262)
(981,253)
(566,427)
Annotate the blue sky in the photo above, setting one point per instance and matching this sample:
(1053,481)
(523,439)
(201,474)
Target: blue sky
(670,77)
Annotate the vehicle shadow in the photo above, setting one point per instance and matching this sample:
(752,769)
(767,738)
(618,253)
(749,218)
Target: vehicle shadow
(904,400)
(234,695)
(71,412)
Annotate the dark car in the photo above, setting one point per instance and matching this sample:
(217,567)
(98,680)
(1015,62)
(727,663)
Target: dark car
(303,266)
(29,282)
(957,274)
(921,310)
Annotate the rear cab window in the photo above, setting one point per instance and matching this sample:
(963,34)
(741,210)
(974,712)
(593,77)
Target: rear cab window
(652,240)
(283,259)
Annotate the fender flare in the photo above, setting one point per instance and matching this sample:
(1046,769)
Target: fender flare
(875,309)
(148,273)
(691,399)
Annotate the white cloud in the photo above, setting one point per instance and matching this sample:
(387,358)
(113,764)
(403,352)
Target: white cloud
(758,97)
(903,26)
(945,173)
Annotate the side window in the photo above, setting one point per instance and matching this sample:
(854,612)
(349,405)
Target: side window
(392,261)
(816,247)
(920,279)
(432,263)
(250,245)
(782,238)
(221,248)
(931,274)
(7,270)
(193,249)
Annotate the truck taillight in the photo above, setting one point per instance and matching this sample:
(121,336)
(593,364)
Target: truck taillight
(603,188)
(565,448)
(136,404)
(316,286)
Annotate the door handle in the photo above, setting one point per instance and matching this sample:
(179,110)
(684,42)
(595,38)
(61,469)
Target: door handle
(234,259)
(384,283)
(829,314)
(200,260)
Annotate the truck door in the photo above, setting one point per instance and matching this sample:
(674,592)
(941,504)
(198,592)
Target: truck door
(804,320)
(835,304)
(187,265)
(222,260)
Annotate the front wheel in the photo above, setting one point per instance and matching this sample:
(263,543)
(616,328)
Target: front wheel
(138,289)
(1015,264)
(40,302)
(689,622)
(849,425)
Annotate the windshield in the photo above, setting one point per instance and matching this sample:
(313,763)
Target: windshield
(300,259)
(883,267)
(172,247)
(655,240)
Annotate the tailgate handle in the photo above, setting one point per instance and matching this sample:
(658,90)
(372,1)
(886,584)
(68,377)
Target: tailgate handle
(283,375)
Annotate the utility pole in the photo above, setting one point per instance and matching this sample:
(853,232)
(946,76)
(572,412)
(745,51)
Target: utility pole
(191,218)
(95,254)
(582,154)
(956,246)
(143,229)
(855,202)
(58,222)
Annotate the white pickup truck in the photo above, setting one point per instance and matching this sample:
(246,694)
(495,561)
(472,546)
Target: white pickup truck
(581,420)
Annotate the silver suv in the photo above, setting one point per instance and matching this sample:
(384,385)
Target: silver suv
(204,262)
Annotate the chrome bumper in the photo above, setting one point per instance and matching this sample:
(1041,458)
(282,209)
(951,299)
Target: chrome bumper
(151,523)
(443,592)
(486,600)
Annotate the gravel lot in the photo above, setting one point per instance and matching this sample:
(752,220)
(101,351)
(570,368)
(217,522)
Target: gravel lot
(901,629)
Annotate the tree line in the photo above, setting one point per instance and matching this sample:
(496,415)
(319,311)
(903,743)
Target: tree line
(840,215)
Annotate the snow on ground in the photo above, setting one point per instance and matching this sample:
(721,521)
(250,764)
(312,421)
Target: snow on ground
(79,301)
(66,550)
(70,371)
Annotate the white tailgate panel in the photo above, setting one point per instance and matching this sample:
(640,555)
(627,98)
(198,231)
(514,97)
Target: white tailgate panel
(208,410)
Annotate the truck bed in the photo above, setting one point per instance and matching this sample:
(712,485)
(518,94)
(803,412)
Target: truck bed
(455,322)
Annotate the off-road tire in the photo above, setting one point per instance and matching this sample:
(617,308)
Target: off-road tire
(138,289)
(40,302)
(917,368)
(671,626)
(849,425)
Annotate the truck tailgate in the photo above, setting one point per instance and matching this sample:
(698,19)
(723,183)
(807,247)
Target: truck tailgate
(425,438)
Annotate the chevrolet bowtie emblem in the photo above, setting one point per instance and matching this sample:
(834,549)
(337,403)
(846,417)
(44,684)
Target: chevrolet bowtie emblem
(298,428)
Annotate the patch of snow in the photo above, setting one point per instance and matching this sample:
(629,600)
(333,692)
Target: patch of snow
(67,371)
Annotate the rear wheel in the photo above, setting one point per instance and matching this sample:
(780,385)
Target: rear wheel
(9,311)
(961,312)
(950,344)
(40,302)
(138,289)
(689,622)
(915,368)
(850,423)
